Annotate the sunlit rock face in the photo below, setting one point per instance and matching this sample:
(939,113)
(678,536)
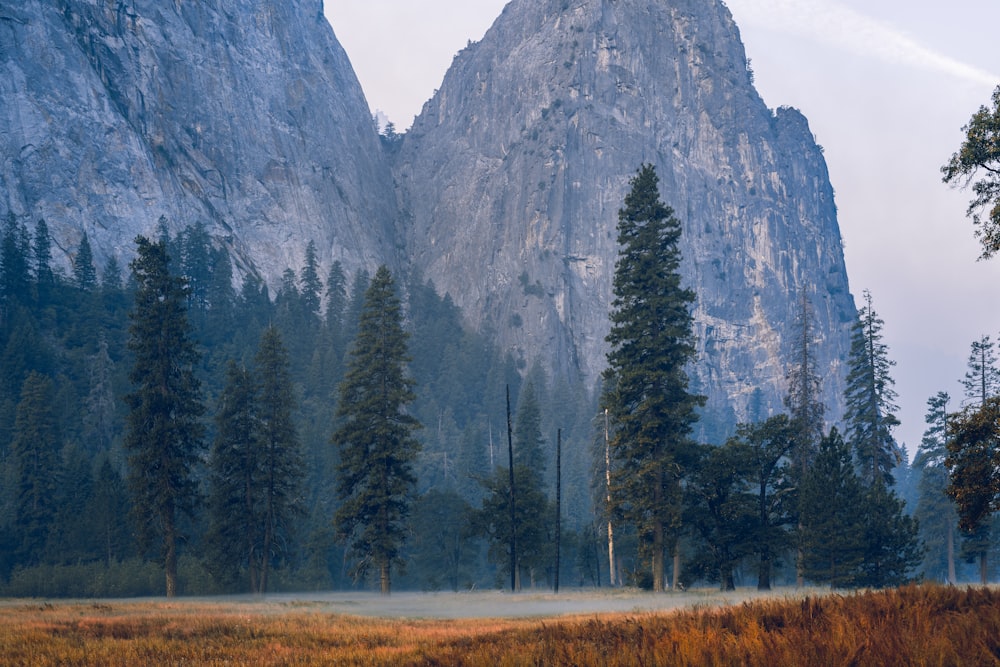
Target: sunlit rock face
(244,115)
(513,174)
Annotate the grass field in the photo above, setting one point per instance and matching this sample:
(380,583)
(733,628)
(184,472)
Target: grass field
(925,625)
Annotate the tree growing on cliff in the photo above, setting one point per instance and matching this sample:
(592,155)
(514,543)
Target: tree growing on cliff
(376,441)
(977,163)
(646,383)
(164,433)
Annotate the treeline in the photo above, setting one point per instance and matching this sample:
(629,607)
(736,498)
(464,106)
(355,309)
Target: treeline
(273,473)
(68,524)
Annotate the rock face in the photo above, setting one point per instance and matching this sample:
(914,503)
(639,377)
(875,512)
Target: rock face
(244,115)
(513,173)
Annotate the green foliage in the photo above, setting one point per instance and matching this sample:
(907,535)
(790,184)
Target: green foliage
(722,509)
(870,399)
(804,384)
(34,449)
(256,468)
(935,512)
(164,432)
(973,462)
(646,384)
(375,439)
(982,379)
(771,480)
(980,154)
(832,536)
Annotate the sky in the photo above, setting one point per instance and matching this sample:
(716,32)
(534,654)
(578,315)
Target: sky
(887,87)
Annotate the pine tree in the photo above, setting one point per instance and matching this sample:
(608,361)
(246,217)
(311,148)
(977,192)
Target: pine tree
(832,532)
(870,399)
(42,262)
(84,273)
(375,440)
(646,384)
(234,503)
(935,512)
(15,274)
(310,285)
(35,449)
(982,379)
(280,452)
(532,509)
(163,430)
(804,383)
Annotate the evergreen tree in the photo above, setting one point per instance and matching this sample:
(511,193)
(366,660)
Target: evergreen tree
(831,506)
(892,549)
(35,449)
(310,285)
(375,440)
(533,510)
(42,261)
(15,274)
(871,399)
(108,504)
(164,432)
(280,452)
(235,472)
(646,385)
(84,273)
(982,379)
(804,384)
(934,511)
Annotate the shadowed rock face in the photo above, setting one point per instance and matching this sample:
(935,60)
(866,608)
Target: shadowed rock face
(514,172)
(244,115)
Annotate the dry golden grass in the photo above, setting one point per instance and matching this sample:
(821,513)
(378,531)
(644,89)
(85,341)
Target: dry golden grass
(926,625)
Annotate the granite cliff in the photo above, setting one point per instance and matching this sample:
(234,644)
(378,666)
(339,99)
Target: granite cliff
(246,115)
(513,174)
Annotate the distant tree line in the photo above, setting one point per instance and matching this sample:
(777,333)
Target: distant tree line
(351,431)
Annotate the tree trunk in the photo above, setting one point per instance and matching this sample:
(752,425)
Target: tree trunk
(612,580)
(658,566)
(983,568)
(515,575)
(384,582)
(677,566)
(764,571)
(558,504)
(951,555)
(170,554)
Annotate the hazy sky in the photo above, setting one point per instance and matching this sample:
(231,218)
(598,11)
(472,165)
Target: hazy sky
(886,86)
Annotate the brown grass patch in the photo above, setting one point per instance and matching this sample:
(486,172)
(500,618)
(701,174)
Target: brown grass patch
(925,625)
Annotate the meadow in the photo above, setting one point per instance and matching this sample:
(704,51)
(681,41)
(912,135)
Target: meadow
(916,625)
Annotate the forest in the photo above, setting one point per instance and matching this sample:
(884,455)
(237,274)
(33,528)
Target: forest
(784,500)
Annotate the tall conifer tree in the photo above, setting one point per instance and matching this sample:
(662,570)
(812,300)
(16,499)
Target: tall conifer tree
(870,399)
(646,383)
(375,439)
(163,428)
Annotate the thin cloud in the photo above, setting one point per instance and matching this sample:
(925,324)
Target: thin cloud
(842,27)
